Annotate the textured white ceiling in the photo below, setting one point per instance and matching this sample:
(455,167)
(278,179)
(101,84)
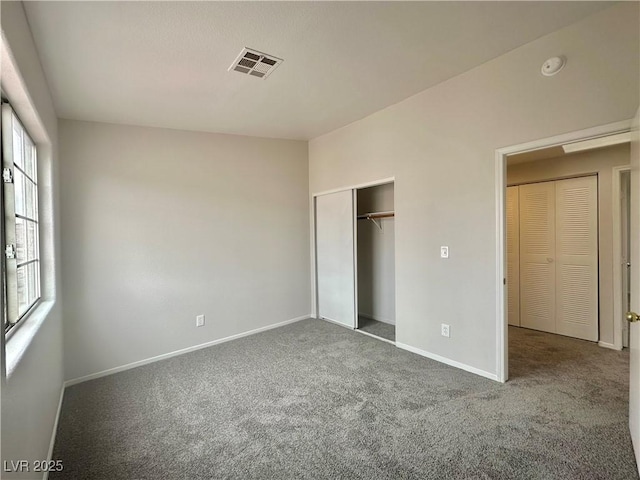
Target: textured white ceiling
(165,63)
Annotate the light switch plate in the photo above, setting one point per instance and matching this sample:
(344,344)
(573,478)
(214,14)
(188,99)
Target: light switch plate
(444,252)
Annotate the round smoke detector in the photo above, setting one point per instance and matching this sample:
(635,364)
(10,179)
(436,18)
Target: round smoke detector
(552,66)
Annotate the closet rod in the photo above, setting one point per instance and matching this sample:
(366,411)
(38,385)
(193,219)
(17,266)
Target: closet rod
(369,216)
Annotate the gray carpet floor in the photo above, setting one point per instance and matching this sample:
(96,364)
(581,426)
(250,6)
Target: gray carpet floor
(379,329)
(313,400)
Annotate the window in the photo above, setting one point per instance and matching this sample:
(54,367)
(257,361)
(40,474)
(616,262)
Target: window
(20,215)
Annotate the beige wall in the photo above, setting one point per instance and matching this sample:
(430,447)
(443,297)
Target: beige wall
(600,162)
(159,226)
(376,256)
(32,371)
(440,147)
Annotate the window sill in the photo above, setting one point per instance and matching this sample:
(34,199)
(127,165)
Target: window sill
(18,341)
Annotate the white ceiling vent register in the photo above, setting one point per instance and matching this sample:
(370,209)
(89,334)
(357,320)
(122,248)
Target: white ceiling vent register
(254,63)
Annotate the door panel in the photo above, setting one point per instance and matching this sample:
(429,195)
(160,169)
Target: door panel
(634,334)
(513,255)
(335,258)
(577,257)
(537,256)
(624,250)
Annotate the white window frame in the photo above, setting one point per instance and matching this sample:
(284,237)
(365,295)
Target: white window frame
(12,314)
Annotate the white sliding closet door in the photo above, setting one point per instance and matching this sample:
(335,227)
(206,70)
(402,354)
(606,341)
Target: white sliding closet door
(335,257)
(513,255)
(577,257)
(537,252)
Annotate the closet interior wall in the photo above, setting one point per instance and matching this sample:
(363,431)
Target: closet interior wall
(376,257)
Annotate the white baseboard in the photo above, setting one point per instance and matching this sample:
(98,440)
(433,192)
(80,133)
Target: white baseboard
(608,345)
(55,430)
(377,319)
(182,351)
(447,361)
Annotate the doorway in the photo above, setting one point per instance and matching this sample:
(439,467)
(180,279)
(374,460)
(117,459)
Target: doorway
(589,139)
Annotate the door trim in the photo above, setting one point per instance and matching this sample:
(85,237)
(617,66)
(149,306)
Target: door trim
(354,226)
(373,183)
(502,339)
(618,322)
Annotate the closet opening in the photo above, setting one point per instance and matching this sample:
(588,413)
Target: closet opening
(566,237)
(354,246)
(375,256)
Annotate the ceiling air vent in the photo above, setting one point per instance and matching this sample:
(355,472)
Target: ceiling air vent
(254,63)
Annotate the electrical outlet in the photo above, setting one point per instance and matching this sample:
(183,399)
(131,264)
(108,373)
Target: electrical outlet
(444,252)
(444,330)
(200,321)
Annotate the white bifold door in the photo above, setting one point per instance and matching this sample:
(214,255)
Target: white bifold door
(537,256)
(558,257)
(335,257)
(577,258)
